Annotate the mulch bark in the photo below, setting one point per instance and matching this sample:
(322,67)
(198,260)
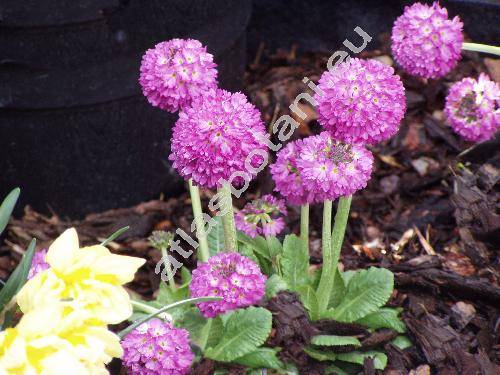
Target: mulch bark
(430,214)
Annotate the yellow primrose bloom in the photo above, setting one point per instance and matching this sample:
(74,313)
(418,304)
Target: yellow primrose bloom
(57,339)
(92,277)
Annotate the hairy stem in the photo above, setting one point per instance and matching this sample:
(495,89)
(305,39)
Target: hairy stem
(339,227)
(304,226)
(203,252)
(228,225)
(326,281)
(476,47)
(168,268)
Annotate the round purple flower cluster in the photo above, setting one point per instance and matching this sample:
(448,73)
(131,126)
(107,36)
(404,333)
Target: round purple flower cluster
(425,42)
(38,263)
(262,216)
(217,137)
(176,72)
(361,101)
(328,169)
(473,108)
(287,177)
(156,347)
(235,278)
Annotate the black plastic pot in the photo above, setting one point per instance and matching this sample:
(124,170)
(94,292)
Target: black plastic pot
(76,133)
(324,24)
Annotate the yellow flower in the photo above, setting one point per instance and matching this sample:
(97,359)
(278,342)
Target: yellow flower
(57,339)
(92,277)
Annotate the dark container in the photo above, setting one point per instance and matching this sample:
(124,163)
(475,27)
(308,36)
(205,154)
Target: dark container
(76,134)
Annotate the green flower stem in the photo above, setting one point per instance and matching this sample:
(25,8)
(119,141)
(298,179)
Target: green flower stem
(476,47)
(230,243)
(204,334)
(168,268)
(202,253)
(326,281)
(304,226)
(145,308)
(339,227)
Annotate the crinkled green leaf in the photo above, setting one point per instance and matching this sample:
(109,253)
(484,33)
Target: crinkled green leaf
(244,331)
(215,236)
(7,207)
(333,340)
(309,300)
(261,358)
(384,318)
(18,278)
(379,358)
(258,244)
(320,355)
(335,370)
(274,246)
(338,291)
(294,262)
(366,291)
(402,342)
(274,285)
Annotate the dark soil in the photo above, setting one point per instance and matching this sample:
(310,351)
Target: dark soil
(430,214)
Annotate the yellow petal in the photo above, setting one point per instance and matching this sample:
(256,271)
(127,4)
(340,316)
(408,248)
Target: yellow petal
(62,252)
(43,289)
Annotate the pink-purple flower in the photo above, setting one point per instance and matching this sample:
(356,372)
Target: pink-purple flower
(262,216)
(425,42)
(38,263)
(176,72)
(157,347)
(221,137)
(361,101)
(235,278)
(287,177)
(473,108)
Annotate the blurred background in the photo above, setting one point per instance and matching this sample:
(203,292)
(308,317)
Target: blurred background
(77,135)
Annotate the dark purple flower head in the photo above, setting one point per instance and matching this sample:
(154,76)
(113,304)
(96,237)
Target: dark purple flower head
(473,108)
(235,278)
(262,217)
(361,101)
(176,72)
(156,347)
(425,42)
(38,264)
(218,136)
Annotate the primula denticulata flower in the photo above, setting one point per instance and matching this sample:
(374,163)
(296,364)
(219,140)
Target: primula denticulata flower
(425,42)
(38,264)
(262,216)
(235,278)
(218,136)
(473,108)
(91,277)
(157,347)
(361,101)
(176,72)
(57,339)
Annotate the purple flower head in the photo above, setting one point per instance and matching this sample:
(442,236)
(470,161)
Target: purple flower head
(262,216)
(333,169)
(156,347)
(176,72)
(473,108)
(425,42)
(218,136)
(362,101)
(287,177)
(235,278)
(38,264)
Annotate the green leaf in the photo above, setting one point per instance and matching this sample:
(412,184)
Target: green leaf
(295,262)
(166,295)
(309,300)
(320,355)
(244,331)
(402,342)
(115,235)
(7,207)
(333,340)
(185,276)
(274,285)
(257,244)
(215,237)
(335,370)
(379,358)
(261,358)
(274,246)
(384,318)
(338,291)
(366,291)
(18,277)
